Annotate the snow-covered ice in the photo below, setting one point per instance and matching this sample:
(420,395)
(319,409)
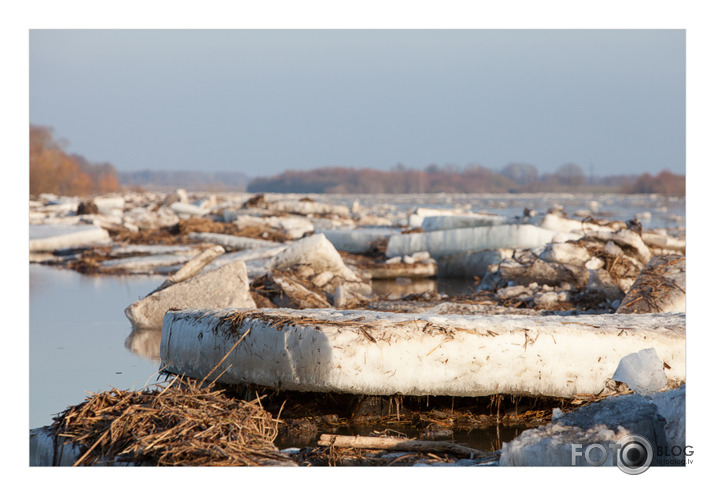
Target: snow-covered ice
(373,353)
(449,242)
(61,237)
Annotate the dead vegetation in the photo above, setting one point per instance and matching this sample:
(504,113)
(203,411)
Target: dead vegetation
(233,324)
(653,286)
(286,289)
(88,261)
(160,236)
(204,225)
(182,424)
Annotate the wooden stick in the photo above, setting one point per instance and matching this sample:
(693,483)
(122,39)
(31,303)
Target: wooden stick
(399,444)
(224,358)
(86,453)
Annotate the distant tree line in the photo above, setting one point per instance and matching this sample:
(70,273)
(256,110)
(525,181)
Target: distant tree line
(371,181)
(514,178)
(52,170)
(665,183)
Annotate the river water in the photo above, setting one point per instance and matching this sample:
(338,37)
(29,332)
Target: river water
(78,338)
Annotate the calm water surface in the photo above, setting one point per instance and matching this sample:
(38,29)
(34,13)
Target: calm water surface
(79,338)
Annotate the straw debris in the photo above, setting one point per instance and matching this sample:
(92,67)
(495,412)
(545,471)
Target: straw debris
(203,225)
(232,323)
(181,424)
(653,286)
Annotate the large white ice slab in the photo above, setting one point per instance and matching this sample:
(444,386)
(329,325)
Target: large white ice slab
(309,207)
(373,353)
(557,223)
(188,210)
(232,242)
(295,226)
(356,240)
(109,205)
(149,263)
(125,250)
(663,241)
(61,237)
(449,242)
(42,450)
(417,217)
(442,222)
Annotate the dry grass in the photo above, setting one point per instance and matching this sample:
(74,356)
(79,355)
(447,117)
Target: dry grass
(652,286)
(182,424)
(204,225)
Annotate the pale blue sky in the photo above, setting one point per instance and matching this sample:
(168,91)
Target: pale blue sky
(263,101)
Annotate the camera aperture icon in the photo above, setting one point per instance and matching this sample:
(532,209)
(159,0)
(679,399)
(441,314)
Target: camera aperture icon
(634,454)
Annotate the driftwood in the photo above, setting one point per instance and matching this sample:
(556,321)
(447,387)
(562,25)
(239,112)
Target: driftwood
(400,444)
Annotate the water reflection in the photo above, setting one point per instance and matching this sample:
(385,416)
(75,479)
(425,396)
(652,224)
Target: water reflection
(487,438)
(400,287)
(79,338)
(145,343)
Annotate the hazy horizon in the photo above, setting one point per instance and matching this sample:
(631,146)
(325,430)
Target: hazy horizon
(261,102)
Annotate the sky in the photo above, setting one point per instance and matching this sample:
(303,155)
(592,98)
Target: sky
(261,101)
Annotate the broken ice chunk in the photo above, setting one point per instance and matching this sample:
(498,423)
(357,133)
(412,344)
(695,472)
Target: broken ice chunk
(642,372)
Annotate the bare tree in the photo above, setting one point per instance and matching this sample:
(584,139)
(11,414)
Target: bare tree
(571,175)
(521,174)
